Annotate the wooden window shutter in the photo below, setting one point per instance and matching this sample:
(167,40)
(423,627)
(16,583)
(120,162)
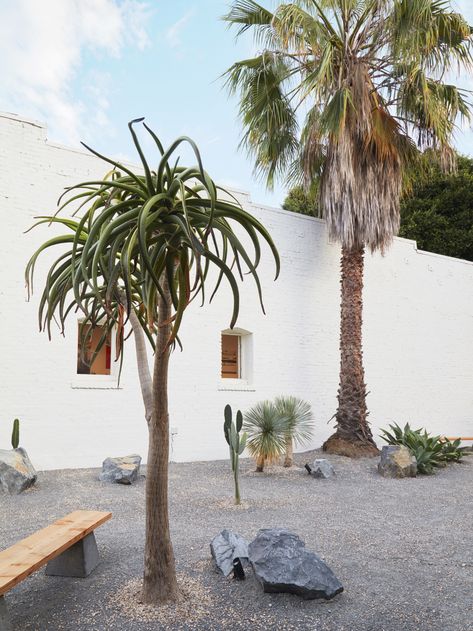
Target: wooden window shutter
(230,356)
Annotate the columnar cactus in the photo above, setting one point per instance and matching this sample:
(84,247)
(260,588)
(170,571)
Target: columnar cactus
(15,436)
(236,443)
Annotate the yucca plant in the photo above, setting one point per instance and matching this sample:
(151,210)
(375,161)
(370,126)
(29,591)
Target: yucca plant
(371,78)
(140,252)
(267,432)
(300,424)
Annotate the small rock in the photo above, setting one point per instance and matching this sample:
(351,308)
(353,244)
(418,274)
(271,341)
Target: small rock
(283,564)
(226,547)
(123,470)
(397,462)
(322,469)
(16,471)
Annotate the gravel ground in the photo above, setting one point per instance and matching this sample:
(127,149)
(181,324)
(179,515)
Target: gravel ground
(403,549)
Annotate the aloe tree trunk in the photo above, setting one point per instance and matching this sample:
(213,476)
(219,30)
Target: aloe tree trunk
(144,374)
(353,435)
(260,464)
(289,456)
(159,581)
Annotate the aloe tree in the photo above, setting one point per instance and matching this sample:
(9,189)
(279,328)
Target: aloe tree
(139,254)
(371,78)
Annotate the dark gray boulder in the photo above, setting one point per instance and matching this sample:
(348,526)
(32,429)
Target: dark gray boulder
(227,546)
(122,470)
(282,563)
(16,471)
(397,462)
(321,468)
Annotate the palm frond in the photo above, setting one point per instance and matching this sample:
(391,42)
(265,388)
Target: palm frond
(266,113)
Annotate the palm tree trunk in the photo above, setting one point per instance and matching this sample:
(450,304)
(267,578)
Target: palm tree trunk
(159,581)
(353,435)
(289,457)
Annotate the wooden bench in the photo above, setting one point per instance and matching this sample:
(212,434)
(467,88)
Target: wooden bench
(68,547)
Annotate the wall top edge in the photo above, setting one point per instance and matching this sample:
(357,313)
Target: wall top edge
(258,206)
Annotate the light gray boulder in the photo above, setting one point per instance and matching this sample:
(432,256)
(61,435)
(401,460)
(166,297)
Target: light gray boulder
(123,470)
(322,468)
(226,547)
(16,471)
(397,462)
(282,563)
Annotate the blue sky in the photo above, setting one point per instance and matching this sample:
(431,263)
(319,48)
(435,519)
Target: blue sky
(86,67)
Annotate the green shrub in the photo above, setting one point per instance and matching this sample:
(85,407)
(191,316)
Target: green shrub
(429,451)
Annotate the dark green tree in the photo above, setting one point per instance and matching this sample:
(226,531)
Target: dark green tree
(298,200)
(438,213)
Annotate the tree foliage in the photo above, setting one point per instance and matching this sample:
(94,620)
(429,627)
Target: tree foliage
(371,77)
(139,231)
(438,213)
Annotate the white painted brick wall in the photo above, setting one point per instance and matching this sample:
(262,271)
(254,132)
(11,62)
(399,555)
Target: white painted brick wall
(418,333)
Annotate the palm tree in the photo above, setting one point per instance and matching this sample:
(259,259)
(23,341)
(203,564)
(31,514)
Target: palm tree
(300,423)
(370,76)
(140,253)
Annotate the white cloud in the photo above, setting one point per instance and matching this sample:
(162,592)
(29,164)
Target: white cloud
(44,45)
(173,33)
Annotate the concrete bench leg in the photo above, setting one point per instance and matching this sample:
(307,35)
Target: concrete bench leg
(78,560)
(5,624)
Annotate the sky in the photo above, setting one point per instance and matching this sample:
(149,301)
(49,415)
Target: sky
(87,67)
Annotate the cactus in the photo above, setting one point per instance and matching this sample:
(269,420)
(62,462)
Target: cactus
(236,444)
(15,436)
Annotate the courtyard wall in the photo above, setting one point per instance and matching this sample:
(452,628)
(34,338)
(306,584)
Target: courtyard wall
(418,333)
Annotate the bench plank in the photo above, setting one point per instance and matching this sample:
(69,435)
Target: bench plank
(28,555)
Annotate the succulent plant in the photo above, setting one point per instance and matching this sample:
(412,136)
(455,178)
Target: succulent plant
(236,444)
(15,436)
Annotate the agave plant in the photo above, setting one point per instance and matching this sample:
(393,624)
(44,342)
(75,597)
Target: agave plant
(429,451)
(452,450)
(300,423)
(140,253)
(267,432)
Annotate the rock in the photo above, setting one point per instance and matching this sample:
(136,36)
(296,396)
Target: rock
(282,563)
(16,471)
(397,462)
(226,547)
(123,470)
(322,469)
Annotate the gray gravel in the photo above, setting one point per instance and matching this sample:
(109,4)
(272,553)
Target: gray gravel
(403,549)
